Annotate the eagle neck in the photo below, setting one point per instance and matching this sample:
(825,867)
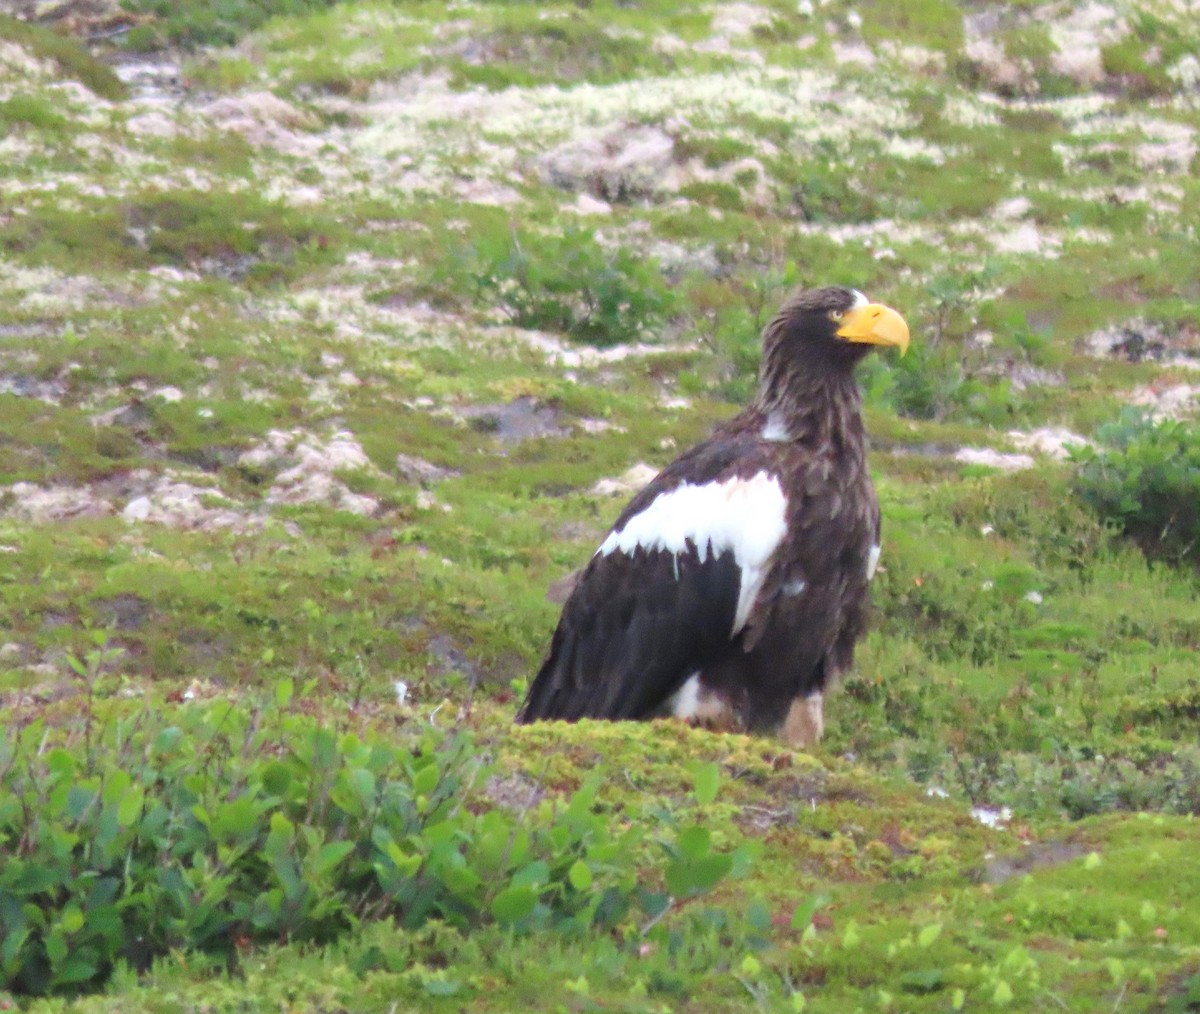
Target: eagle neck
(818,408)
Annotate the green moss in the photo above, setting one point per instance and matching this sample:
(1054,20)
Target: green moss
(725,196)
(714,152)
(23,111)
(933,23)
(232,232)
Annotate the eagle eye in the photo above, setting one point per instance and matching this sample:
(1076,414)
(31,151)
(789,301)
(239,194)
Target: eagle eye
(836,315)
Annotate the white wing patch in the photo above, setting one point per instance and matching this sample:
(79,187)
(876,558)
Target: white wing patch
(746,517)
(873,561)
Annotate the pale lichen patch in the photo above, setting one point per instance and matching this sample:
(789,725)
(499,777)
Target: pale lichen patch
(1166,400)
(311,466)
(989,458)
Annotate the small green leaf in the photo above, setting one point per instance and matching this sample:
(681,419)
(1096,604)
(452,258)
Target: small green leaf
(694,841)
(654,904)
(276,777)
(10,946)
(707,782)
(442,987)
(364,783)
(425,780)
(332,854)
(75,969)
(690,877)
(580,875)
(405,864)
(462,882)
(167,740)
(1003,995)
(61,762)
(929,934)
(532,874)
(283,691)
(130,807)
(115,787)
(758,915)
(803,915)
(927,981)
(56,948)
(72,919)
(514,904)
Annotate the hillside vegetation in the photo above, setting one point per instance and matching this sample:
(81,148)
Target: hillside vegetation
(333,334)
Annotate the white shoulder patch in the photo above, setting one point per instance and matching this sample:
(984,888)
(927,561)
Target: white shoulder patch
(873,561)
(776,429)
(746,517)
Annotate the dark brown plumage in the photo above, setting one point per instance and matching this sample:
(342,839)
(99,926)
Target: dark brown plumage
(732,589)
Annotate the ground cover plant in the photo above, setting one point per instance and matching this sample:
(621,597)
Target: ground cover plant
(333,338)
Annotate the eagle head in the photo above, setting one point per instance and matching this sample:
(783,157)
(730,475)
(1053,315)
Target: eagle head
(836,325)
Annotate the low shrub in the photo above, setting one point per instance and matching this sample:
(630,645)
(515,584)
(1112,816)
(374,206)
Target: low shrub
(566,282)
(211,827)
(1143,477)
(68,53)
(193,25)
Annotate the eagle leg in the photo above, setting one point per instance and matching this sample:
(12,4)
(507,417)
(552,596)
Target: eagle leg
(723,721)
(805,722)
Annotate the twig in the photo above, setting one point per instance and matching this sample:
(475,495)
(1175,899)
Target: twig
(755,993)
(1057,999)
(111,33)
(535,793)
(658,918)
(773,814)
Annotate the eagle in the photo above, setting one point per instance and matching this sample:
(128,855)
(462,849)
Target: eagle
(731,590)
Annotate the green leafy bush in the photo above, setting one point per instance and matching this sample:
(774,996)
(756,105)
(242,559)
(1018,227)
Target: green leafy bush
(1144,479)
(727,314)
(941,383)
(72,58)
(208,24)
(216,826)
(567,282)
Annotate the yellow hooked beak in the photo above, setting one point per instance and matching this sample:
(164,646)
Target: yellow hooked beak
(875,324)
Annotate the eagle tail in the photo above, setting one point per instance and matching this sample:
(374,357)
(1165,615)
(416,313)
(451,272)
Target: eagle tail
(556,690)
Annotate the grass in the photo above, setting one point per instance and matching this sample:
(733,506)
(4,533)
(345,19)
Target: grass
(198,318)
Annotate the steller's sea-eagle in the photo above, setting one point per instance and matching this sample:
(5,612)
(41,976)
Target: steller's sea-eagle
(731,590)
